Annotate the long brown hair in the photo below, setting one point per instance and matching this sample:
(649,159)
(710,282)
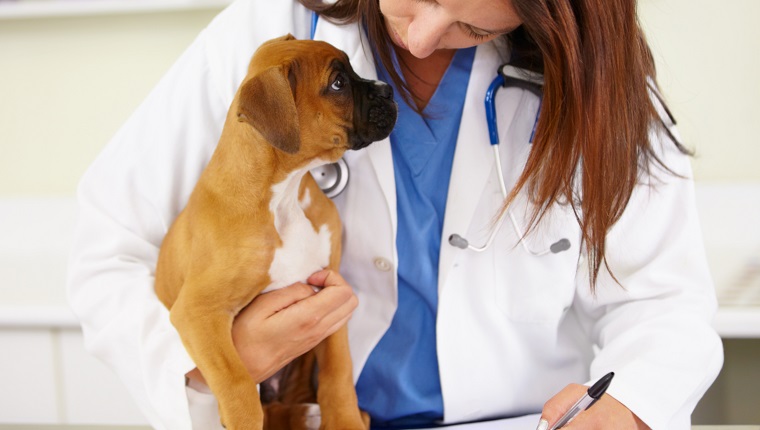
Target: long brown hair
(592,142)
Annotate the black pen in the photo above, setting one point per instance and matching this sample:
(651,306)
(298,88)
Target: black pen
(592,395)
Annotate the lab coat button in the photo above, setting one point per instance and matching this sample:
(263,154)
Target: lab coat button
(383,264)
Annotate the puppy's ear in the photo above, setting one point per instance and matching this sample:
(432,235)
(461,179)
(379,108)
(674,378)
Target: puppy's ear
(267,103)
(284,38)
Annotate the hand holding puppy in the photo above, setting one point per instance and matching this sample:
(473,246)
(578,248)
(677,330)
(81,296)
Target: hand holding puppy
(280,326)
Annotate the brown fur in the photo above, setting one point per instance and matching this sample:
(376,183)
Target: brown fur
(216,256)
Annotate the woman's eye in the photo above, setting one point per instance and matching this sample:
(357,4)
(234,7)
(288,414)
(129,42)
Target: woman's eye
(477,34)
(338,83)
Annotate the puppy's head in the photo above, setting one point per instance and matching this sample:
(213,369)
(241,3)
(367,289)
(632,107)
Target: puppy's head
(304,98)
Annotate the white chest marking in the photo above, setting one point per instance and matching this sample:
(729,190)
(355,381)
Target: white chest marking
(304,251)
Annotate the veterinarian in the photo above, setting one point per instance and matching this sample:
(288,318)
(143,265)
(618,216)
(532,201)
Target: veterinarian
(440,334)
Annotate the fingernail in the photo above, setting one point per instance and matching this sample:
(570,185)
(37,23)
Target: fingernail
(543,425)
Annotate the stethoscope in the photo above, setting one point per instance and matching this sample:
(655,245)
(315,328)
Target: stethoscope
(509,76)
(333,178)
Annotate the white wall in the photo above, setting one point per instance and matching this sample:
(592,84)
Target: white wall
(708,59)
(67,84)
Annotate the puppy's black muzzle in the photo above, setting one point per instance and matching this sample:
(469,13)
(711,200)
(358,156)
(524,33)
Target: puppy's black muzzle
(375,112)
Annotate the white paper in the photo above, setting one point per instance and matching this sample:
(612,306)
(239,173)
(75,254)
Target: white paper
(525,422)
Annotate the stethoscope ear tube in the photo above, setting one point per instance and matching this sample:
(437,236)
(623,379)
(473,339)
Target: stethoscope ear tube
(509,76)
(490,102)
(522,78)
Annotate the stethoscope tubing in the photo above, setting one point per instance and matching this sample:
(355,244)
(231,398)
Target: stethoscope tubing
(508,76)
(460,242)
(490,102)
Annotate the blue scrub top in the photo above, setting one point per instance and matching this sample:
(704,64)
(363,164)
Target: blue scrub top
(400,385)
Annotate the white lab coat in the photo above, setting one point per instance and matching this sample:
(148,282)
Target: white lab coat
(513,328)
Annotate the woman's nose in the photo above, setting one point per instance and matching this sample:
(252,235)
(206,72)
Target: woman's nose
(424,34)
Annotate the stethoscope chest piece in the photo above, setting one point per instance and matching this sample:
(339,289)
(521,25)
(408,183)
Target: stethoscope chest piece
(331,178)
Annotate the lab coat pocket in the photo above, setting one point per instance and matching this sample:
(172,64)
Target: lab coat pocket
(533,283)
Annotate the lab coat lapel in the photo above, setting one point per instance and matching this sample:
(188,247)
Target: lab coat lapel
(353,42)
(473,160)
(369,249)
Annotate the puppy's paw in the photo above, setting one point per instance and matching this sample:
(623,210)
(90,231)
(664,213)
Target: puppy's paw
(301,416)
(348,421)
(307,418)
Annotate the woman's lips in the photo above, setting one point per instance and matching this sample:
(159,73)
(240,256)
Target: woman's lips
(397,39)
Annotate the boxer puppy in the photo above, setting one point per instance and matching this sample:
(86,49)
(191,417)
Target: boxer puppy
(257,221)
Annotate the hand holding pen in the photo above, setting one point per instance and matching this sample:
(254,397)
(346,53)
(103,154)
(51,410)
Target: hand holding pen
(592,395)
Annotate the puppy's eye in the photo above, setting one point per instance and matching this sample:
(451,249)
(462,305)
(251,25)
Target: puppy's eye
(338,83)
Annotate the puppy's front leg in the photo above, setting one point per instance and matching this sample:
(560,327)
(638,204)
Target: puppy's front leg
(206,331)
(336,394)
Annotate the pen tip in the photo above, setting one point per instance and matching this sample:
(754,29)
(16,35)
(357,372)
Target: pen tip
(600,386)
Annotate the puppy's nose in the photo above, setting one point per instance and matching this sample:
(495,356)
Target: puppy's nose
(383,90)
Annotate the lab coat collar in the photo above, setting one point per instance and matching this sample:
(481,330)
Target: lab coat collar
(473,159)
(353,41)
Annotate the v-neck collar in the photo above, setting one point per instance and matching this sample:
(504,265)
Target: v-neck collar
(416,136)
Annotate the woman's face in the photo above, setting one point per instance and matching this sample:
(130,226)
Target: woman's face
(423,26)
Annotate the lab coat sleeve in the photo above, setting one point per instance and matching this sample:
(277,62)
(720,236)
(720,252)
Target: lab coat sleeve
(131,194)
(127,199)
(654,330)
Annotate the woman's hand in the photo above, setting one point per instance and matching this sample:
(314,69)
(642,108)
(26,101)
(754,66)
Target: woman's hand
(607,412)
(277,327)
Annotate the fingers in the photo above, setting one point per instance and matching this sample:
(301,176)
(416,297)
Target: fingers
(606,412)
(321,312)
(325,310)
(281,325)
(603,415)
(327,278)
(331,307)
(556,407)
(275,301)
